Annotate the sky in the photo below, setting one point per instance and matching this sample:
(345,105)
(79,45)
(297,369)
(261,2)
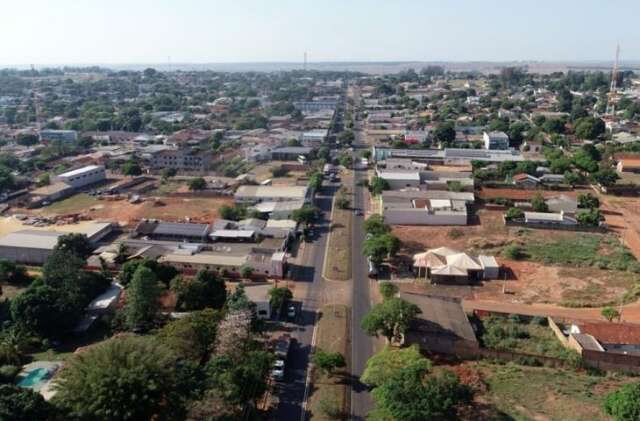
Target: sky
(217,31)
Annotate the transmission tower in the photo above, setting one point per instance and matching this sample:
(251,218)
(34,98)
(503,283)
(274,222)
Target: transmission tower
(613,89)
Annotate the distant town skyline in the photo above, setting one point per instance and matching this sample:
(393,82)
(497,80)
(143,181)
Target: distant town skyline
(198,31)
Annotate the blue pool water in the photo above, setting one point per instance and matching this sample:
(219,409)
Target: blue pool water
(33,377)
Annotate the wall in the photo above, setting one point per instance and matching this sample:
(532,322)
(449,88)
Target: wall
(611,362)
(422,217)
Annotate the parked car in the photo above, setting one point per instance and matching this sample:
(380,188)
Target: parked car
(291,311)
(277,371)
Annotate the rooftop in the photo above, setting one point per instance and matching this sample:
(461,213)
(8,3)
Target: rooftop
(82,170)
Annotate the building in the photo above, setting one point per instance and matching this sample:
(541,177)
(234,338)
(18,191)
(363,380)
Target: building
(181,159)
(33,247)
(495,140)
(290,153)
(84,176)
(258,194)
(58,135)
(171,231)
(314,138)
(399,179)
(311,106)
(447,266)
(442,325)
(525,181)
(406,211)
(629,163)
(447,156)
(49,194)
(259,295)
(549,219)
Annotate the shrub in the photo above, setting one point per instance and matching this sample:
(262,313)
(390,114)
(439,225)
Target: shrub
(513,252)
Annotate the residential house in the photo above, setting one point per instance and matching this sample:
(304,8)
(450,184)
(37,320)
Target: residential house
(447,266)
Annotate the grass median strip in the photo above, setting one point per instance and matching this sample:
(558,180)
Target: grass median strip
(329,394)
(338,258)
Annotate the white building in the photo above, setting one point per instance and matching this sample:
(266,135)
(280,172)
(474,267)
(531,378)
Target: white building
(83,176)
(314,138)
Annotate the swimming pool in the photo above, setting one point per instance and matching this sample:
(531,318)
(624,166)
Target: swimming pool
(34,377)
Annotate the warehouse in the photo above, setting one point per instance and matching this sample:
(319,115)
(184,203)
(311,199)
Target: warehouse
(33,247)
(258,194)
(83,176)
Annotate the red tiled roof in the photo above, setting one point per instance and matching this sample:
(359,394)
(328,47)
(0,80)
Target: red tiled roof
(612,333)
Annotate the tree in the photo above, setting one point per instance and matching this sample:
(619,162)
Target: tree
(278,296)
(197,184)
(205,290)
(390,318)
(588,201)
(590,217)
(192,336)
(279,171)
(610,313)
(125,378)
(27,139)
(377,185)
(246,271)
(62,267)
(538,203)
(43,310)
(306,214)
(131,168)
(12,273)
(589,127)
(387,290)
(388,362)
(445,133)
(238,300)
(408,396)
(21,404)
(606,177)
(375,225)
(232,213)
(514,213)
(142,298)
(76,244)
(342,201)
(328,362)
(624,403)
(43,180)
(167,173)
(375,248)
(392,243)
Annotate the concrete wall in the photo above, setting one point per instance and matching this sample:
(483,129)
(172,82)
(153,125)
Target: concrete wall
(421,217)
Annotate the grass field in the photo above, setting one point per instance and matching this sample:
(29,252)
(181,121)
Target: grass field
(532,393)
(74,204)
(338,264)
(512,334)
(579,249)
(331,392)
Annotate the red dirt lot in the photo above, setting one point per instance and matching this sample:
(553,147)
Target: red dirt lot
(519,194)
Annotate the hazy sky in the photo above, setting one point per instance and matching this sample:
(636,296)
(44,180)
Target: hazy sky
(199,31)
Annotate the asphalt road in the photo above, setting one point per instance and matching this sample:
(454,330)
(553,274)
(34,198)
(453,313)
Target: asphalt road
(362,344)
(291,392)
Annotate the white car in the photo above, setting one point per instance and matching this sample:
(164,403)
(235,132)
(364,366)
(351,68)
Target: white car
(277,371)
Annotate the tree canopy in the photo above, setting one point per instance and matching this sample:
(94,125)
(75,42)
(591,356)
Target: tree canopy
(391,318)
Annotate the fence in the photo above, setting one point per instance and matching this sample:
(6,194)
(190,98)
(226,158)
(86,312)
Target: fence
(609,361)
(560,227)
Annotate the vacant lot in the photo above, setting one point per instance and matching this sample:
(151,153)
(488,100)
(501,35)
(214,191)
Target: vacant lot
(530,393)
(330,394)
(165,208)
(568,268)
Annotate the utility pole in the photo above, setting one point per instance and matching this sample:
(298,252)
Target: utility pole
(304,67)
